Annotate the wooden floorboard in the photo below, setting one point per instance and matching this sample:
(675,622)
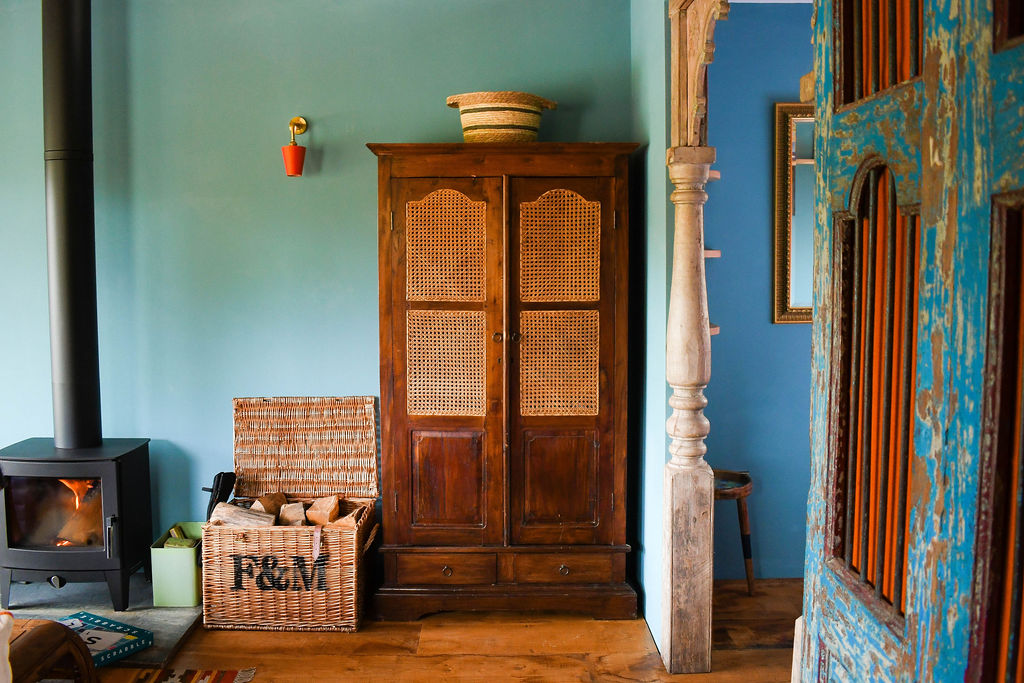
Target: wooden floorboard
(753,639)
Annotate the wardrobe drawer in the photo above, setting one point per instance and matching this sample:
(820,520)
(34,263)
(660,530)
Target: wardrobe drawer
(563,568)
(446,568)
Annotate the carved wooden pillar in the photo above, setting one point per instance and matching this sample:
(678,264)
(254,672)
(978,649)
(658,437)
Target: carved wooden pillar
(689,481)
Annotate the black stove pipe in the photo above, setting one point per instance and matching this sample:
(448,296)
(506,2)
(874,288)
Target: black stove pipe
(70,222)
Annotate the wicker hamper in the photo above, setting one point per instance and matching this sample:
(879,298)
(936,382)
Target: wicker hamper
(304,578)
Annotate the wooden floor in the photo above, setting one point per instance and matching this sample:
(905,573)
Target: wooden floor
(753,639)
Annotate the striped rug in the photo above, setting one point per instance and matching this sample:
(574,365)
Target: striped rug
(188,676)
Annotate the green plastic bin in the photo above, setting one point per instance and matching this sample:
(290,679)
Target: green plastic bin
(177,577)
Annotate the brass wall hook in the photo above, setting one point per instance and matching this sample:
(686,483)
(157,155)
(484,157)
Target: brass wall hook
(297,126)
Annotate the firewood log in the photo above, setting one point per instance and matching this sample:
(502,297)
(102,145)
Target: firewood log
(270,503)
(292,514)
(232,515)
(323,510)
(350,518)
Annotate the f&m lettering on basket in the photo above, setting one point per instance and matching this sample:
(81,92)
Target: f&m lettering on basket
(268,574)
(296,578)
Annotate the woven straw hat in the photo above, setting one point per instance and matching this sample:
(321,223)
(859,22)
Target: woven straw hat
(501,116)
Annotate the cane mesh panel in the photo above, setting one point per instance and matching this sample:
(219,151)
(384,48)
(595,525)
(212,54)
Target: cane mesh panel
(445,363)
(558,363)
(560,248)
(444,245)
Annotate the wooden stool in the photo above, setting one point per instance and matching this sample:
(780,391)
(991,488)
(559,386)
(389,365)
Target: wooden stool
(737,486)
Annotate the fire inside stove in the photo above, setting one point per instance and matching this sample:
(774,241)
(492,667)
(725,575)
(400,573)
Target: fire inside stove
(45,512)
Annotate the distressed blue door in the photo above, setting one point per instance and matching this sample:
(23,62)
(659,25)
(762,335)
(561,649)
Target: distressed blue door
(916,515)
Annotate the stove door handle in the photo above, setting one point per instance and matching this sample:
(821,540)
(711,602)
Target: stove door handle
(111,523)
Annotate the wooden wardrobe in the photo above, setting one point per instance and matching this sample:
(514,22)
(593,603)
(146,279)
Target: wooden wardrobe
(503,347)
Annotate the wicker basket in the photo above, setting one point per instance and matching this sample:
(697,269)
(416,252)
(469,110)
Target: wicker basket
(296,578)
(505,116)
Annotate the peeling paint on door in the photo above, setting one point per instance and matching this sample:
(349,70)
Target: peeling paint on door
(952,138)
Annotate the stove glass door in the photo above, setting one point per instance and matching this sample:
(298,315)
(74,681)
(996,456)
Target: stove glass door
(50,512)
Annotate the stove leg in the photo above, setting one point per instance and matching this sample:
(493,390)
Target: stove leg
(117,582)
(5,588)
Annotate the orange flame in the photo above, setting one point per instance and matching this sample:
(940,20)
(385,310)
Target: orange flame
(63,543)
(79,487)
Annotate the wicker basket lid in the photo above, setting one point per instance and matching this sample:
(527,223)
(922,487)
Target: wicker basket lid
(312,446)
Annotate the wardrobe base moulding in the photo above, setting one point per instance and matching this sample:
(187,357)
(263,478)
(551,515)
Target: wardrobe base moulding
(615,601)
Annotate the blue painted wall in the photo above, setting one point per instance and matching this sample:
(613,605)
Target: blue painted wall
(759,396)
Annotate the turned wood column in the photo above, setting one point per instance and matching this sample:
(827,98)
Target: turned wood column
(689,481)
(685,641)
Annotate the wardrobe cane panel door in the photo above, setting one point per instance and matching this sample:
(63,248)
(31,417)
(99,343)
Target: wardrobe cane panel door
(446,310)
(562,318)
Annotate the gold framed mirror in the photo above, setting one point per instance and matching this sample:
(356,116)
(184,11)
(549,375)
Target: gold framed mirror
(794,213)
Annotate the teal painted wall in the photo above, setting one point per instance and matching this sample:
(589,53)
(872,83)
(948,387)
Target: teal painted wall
(759,395)
(649,26)
(24,321)
(219,276)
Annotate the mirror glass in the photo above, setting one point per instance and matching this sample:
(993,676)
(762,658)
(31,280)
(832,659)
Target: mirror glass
(801,221)
(794,212)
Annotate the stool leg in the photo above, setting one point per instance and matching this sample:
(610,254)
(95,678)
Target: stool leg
(748,562)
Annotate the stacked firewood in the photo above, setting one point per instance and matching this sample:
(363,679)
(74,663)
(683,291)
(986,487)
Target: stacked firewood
(275,509)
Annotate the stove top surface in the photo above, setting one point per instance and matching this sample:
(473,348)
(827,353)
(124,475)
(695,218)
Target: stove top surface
(42,449)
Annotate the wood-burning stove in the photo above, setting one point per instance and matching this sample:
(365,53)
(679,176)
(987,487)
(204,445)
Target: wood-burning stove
(74,515)
(75,507)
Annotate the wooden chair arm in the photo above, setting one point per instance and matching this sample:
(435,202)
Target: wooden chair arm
(51,650)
